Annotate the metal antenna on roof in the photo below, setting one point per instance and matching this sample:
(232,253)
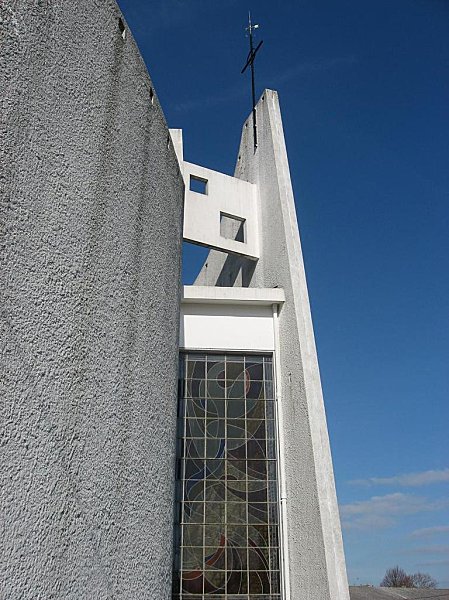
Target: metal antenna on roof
(250,63)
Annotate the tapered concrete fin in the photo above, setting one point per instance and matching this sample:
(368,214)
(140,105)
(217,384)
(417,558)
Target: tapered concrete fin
(316,565)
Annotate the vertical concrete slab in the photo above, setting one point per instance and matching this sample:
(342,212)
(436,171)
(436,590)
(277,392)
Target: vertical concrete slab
(92,199)
(315,549)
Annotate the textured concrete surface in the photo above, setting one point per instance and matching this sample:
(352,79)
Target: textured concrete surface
(228,198)
(316,558)
(91,232)
(366,592)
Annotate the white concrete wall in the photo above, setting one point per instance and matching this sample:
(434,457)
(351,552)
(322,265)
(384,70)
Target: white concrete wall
(226,327)
(228,318)
(226,195)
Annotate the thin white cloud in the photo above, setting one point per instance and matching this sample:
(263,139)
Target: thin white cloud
(436,549)
(312,65)
(212,100)
(407,479)
(391,504)
(380,512)
(240,90)
(161,15)
(367,522)
(429,531)
(431,563)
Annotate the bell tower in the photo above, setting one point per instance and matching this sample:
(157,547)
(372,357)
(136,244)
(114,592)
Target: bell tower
(255,435)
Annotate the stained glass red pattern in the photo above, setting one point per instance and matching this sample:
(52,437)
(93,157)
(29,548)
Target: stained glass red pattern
(227,533)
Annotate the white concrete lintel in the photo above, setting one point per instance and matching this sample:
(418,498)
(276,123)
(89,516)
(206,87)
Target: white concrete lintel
(199,294)
(228,318)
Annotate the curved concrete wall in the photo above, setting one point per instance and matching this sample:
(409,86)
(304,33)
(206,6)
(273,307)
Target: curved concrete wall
(92,211)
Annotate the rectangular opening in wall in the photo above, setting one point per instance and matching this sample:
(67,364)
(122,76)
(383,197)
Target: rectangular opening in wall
(232,228)
(227,529)
(198,184)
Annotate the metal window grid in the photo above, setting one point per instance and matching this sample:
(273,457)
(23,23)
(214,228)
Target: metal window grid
(227,534)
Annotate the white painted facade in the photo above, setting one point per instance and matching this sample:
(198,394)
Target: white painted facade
(224,196)
(228,319)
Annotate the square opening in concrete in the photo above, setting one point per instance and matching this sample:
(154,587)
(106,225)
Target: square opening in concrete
(232,227)
(198,184)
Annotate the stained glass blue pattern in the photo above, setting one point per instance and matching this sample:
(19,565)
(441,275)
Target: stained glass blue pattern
(227,544)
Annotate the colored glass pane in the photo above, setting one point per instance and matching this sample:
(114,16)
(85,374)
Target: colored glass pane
(227,511)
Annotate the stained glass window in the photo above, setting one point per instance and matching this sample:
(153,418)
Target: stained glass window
(227,544)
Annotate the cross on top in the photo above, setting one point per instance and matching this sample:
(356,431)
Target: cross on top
(250,63)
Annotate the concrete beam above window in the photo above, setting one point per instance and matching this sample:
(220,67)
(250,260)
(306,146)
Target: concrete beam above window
(198,294)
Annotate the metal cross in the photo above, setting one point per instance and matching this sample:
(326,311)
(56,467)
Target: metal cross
(250,63)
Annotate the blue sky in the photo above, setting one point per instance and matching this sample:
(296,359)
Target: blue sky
(364,90)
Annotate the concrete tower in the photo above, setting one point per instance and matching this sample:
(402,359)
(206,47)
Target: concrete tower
(257,251)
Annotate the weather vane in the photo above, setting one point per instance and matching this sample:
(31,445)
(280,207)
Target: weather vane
(250,63)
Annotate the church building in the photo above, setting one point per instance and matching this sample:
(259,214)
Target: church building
(162,442)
